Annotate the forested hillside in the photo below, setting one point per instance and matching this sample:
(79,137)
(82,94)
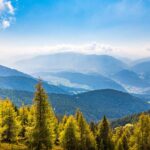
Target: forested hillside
(36,127)
(93,104)
(130,119)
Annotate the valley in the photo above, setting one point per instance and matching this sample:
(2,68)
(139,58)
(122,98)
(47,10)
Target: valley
(96,88)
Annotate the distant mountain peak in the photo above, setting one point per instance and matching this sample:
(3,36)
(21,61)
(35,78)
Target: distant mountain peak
(70,61)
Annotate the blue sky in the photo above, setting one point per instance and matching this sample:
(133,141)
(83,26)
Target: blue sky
(40,26)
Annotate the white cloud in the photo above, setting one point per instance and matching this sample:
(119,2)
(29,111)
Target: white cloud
(10,7)
(130,51)
(88,48)
(15,52)
(7,12)
(5,24)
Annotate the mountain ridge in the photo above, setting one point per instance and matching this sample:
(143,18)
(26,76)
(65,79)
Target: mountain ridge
(94,104)
(17,80)
(73,62)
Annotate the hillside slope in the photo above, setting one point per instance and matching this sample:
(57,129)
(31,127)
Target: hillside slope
(16,80)
(127,119)
(142,67)
(6,71)
(94,105)
(81,80)
(25,84)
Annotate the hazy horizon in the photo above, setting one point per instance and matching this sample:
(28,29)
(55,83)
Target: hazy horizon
(10,61)
(118,28)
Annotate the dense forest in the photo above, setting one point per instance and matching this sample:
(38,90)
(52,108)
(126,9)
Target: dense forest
(36,127)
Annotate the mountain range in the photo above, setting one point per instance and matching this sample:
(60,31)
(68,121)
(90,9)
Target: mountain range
(97,84)
(77,80)
(72,62)
(64,69)
(16,80)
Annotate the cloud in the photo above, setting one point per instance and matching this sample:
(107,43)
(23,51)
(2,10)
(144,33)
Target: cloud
(5,24)
(6,7)
(7,12)
(88,48)
(10,7)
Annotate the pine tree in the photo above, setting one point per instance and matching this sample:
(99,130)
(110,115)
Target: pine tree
(41,135)
(119,145)
(93,127)
(64,121)
(141,137)
(24,120)
(52,123)
(70,135)
(30,126)
(61,127)
(87,140)
(103,136)
(1,120)
(122,144)
(9,125)
(121,136)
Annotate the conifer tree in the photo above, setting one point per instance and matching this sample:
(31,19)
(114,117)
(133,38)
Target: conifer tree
(61,127)
(52,123)
(1,120)
(9,124)
(122,144)
(30,126)
(141,137)
(41,135)
(93,127)
(119,145)
(70,135)
(24,120)
(87,140)
(103,136)
(121,136)
(64,121)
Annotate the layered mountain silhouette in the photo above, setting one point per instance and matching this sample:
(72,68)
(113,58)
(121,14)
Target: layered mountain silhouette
(16,80)
(77,80)
(75,62)
(97,84)
(83,71)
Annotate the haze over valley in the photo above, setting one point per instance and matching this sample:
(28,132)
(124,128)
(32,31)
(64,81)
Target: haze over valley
(74,80)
